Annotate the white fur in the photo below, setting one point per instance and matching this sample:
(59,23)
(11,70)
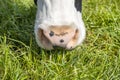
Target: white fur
(58,12)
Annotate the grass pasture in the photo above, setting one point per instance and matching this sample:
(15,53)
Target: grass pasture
(98,58)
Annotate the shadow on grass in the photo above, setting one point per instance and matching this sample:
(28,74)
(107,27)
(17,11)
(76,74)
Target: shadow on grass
(17,21)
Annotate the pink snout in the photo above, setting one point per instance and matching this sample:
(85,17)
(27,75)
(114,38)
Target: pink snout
(58,36)
(60,40)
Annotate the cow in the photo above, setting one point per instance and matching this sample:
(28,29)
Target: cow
(59,24)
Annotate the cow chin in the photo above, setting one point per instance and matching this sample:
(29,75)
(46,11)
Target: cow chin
(54,37)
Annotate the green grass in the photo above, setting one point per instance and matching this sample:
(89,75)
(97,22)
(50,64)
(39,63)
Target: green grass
(97,59)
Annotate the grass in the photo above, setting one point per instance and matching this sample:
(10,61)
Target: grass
(97,59)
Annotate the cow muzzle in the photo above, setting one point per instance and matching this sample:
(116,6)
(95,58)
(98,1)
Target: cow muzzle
(55,37)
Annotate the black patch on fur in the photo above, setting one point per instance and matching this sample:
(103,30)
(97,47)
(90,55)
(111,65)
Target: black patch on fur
(35,1)
(78,5)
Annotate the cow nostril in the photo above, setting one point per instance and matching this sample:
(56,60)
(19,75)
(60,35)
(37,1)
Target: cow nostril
(61,41)
(51,33)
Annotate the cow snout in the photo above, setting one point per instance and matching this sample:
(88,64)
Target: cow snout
(56,37)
